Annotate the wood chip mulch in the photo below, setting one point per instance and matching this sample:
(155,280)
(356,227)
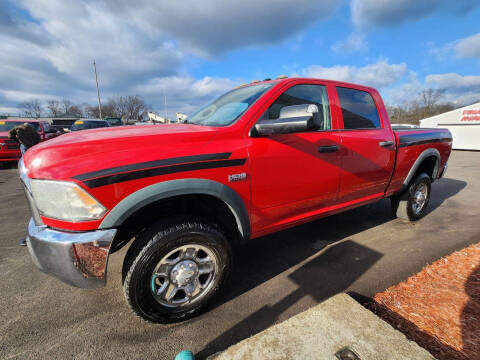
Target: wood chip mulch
(439,308)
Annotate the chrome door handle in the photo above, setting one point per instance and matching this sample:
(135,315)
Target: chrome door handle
(328,149)
(385,143)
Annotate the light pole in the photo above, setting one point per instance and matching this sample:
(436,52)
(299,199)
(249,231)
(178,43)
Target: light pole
(98,91)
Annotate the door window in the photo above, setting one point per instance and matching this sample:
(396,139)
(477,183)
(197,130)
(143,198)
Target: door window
(301,95)
(358,109)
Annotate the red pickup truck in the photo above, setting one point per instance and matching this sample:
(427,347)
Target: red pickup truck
(10,149)
(263,157)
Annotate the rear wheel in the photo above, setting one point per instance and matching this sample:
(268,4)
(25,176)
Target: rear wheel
(178,268)
(412,204)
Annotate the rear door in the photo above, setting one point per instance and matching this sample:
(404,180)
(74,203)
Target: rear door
(368,144)
(293,174)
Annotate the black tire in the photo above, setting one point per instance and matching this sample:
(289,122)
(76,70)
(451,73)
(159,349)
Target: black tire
(405,205)
(152,246)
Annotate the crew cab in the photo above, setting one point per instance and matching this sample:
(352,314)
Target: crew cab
(261,158)
(10,149)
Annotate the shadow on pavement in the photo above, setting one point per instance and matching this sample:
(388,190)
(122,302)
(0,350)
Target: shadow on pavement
(442,190)
(331,271)
(322,277)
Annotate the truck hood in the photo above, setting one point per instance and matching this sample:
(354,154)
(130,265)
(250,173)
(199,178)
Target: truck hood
(89,150)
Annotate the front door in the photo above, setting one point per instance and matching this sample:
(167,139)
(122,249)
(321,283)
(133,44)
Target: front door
(294,174)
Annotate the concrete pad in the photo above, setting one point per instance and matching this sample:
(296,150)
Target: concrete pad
(323,330)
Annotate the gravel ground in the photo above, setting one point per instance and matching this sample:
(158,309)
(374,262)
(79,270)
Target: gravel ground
(439,307)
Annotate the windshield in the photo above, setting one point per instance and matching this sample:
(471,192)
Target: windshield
(228,107)
(8,125)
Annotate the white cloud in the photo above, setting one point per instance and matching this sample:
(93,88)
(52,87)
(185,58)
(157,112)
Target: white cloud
(4,110)
(366,13)
(184,93)
(468,47)
(379,75)
(453,81)
(459,89)
(399,85)
(48,45)
(212,27)
(404,92)
(354,42)
(122,52)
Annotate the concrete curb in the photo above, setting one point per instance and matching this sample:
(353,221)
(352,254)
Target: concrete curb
(322,331)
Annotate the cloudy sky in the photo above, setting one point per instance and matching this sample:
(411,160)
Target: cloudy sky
(194,50)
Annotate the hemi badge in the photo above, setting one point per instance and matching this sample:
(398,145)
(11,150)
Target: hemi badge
(237,177)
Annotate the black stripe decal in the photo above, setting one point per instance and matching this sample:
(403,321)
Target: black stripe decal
(423,138)
(139,174)
(152,164)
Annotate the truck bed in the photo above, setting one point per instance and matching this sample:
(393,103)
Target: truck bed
(410,144)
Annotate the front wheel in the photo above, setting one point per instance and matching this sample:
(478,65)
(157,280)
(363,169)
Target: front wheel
(412,204)
(177,269)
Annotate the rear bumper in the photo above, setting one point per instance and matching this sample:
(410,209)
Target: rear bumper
(79,259)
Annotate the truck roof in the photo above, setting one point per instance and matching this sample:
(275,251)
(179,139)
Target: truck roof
(307,79)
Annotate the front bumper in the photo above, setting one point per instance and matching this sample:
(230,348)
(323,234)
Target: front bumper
(79,259)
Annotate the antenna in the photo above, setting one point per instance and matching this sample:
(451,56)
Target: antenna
(98,91)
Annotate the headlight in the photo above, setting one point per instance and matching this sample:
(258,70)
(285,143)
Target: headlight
(65,201)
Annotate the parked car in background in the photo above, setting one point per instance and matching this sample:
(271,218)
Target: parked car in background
(261,158)
(10,149)
(89,124)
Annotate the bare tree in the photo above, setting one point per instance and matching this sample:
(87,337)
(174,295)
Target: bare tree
(430,97)
(68,108)
(425,105)
(54,108)
(31,108)
(91,111)
(130,107)
(429,100)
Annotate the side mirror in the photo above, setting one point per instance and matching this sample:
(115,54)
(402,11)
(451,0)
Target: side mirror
(292,119)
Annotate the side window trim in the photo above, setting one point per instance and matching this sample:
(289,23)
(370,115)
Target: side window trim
(339,112)
(326,97)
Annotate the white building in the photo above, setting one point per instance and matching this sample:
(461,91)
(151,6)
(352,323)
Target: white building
(463,123)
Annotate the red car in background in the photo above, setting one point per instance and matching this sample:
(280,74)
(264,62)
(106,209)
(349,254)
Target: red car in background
(10,149)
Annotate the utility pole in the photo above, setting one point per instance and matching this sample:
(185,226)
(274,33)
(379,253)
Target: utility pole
(165,103)
(98,91)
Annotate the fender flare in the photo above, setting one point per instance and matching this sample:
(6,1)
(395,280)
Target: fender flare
(425,154)
(167,189)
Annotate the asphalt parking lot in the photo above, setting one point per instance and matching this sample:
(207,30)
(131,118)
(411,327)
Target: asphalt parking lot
(362,251)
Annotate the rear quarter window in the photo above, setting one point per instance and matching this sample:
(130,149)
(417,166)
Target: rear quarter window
(358,109)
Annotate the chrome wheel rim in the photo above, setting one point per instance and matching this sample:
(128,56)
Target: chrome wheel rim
(420,198)
(185,275)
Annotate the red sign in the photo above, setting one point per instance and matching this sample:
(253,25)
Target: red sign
(470,115)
